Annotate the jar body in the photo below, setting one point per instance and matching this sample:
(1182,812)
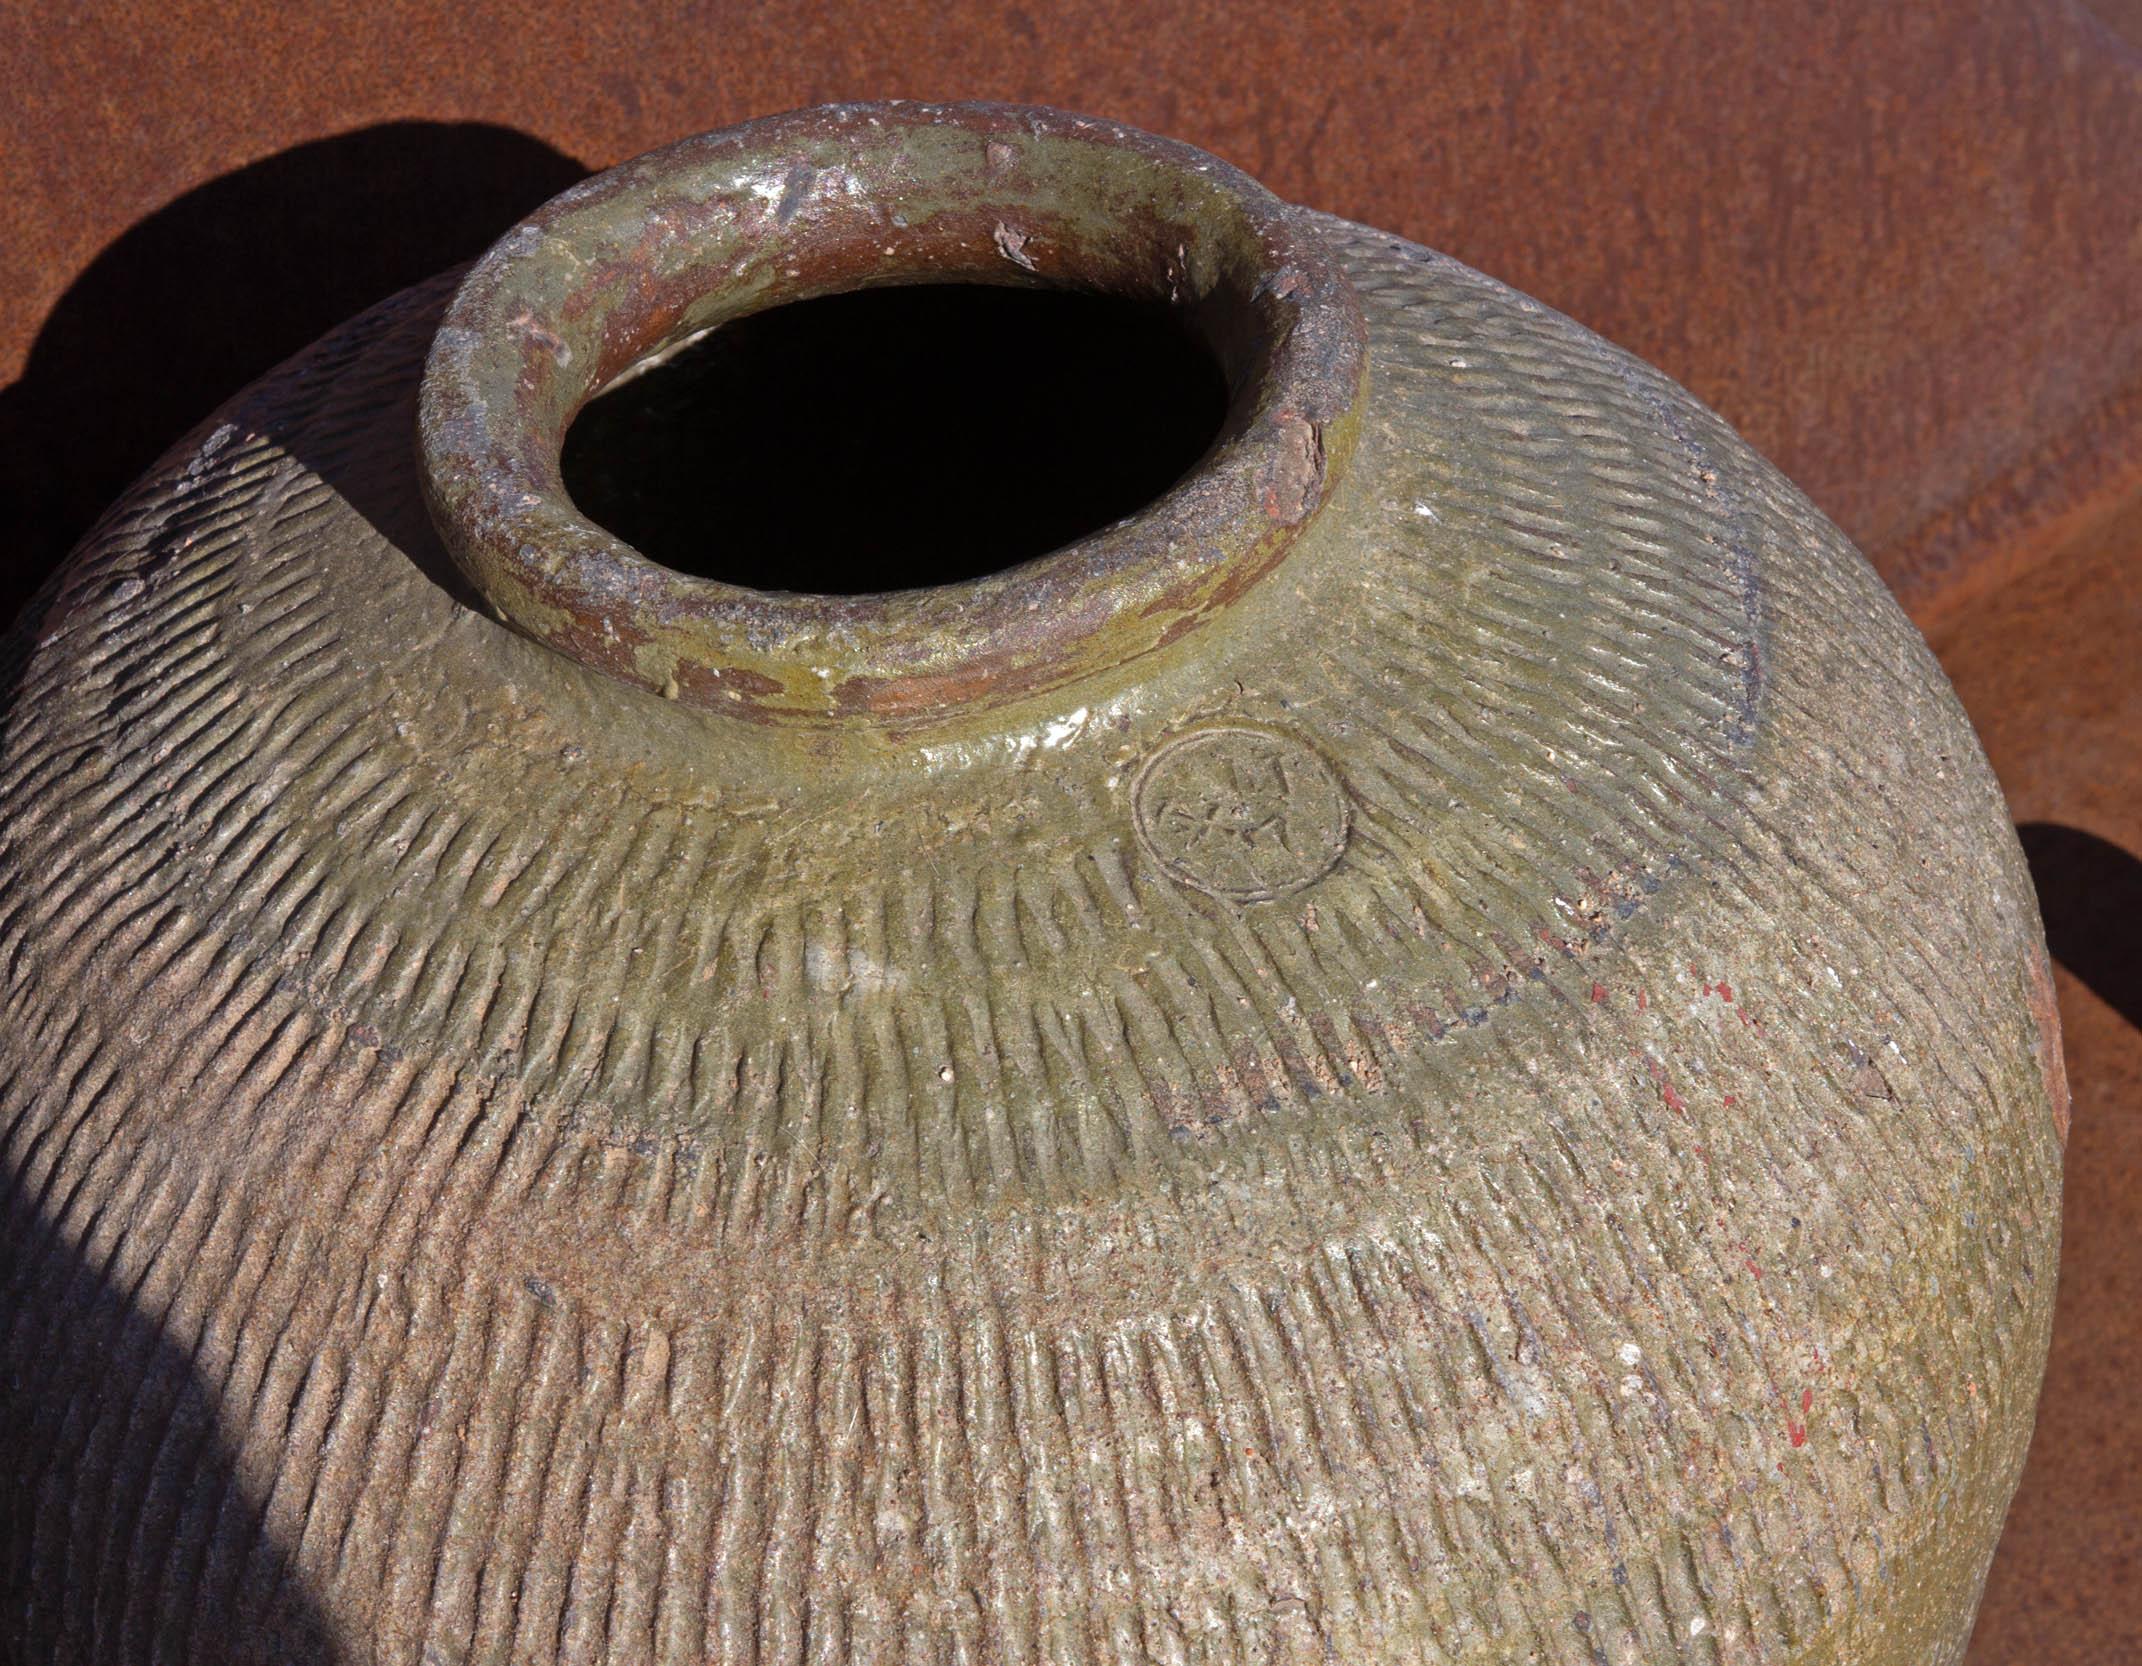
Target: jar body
(509,1166)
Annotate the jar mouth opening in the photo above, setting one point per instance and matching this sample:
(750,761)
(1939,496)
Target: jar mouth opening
(901,437)
(628,266)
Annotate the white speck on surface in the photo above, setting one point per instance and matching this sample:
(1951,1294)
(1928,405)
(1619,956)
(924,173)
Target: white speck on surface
(1011,244)
(1064,729)
(1631,1353)
(767,187)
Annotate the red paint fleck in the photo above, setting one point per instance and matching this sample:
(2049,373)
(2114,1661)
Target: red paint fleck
(1658,1074)
(1807,1401)
(1598,994)
(1753,1268)
(1798,1431)
(1729,1099)
(1643,1000)
(1725,993)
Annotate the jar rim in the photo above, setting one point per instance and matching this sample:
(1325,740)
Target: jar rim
(631,263)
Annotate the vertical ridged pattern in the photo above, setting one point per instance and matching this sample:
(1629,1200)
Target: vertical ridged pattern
(478,1194)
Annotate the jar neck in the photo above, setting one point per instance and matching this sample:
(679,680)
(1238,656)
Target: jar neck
(630,263)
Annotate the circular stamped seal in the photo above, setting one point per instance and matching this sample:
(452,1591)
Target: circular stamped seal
(1241,813)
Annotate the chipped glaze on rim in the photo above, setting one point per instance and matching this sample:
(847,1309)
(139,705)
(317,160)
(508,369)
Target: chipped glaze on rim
(660,249)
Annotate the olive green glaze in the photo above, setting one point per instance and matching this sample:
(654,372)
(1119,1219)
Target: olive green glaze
(1486,1091)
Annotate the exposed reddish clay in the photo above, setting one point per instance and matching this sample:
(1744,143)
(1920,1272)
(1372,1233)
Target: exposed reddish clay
(2052,1064)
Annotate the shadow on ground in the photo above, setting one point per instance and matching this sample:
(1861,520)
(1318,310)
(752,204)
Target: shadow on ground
(2090,892)
(202,296)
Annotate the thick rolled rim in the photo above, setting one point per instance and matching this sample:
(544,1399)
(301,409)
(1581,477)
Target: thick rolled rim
(660,249)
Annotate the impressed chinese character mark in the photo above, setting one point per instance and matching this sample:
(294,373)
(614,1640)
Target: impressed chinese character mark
(1241,813)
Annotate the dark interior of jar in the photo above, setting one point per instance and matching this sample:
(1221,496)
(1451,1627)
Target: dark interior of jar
(892,439)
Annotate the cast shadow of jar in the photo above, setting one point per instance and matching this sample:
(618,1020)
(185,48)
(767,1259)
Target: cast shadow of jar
(131,1530)
(2090,894)
(210,291)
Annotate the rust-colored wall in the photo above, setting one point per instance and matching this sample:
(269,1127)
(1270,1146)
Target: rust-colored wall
(1895,245)
(1899,247)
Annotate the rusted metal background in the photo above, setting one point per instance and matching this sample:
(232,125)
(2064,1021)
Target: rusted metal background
(1899,247)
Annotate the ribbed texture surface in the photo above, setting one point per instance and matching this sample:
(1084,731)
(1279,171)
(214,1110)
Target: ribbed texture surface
(498,1172)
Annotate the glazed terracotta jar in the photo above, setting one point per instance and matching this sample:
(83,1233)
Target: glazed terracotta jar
(1431,1047)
